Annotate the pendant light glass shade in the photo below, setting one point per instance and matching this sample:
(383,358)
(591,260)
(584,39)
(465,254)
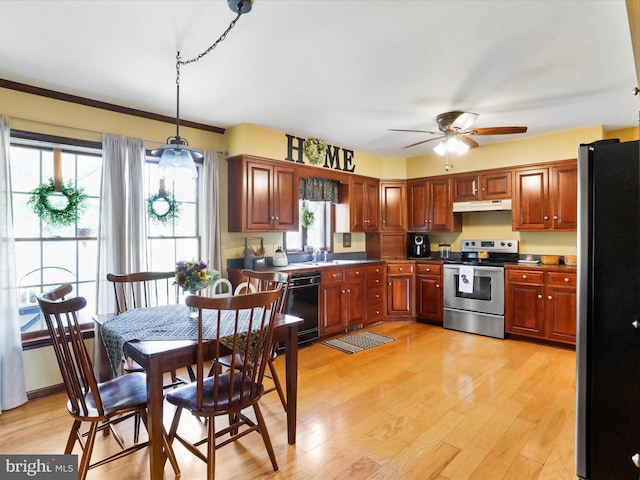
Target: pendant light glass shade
(177,154)
(451,144)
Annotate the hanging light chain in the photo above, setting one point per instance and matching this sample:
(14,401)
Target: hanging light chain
(215,44)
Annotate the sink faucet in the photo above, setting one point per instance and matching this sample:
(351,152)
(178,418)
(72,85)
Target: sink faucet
(316,251)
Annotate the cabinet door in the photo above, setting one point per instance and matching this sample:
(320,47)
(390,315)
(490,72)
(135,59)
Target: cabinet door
(561,307)
(393,206)
(440,208)
(399,295)
(465,188)
(417,193)
(372,206)
(524,312)
(259,187)
(355,293)
(332,307)
(531,202)
(564,197)
(496,185)
(428,297)
(285,200)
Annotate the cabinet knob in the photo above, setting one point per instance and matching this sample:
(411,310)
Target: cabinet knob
(334,275)
(539,296)
(437,285)
(428,269)
(400,268)
(636,460)
(349,291)
(342,291)
(389,283)
(550,297)
(377,280)
(636,324)
(566,279)
(546,217)
(377,295)
(555,217)
(277,218)
(524,277)
(384,221)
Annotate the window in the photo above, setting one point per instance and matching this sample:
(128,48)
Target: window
(48,256)
(316,235)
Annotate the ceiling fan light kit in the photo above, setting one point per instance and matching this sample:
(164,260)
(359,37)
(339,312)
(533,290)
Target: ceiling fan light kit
(177,153)
(455,130)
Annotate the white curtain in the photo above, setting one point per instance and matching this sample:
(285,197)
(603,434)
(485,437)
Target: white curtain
(12,384)
(209,221)
(122,235)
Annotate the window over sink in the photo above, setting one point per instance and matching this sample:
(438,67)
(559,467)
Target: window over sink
(317,233)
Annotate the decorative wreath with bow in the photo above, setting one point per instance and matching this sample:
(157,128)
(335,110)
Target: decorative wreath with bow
(42,207)
(315,149)
(164,217)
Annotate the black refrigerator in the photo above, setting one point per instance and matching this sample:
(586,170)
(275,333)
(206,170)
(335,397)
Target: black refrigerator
(608,311)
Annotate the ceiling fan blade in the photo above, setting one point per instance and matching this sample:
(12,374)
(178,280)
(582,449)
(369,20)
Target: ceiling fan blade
(417,131)
(423,141)
(464,121)
(469,141)
(497,130)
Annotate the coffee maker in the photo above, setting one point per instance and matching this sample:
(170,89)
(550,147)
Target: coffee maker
(419,246)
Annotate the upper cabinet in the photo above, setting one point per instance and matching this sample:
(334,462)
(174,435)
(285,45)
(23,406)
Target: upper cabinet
(359,207)
(494,185)
(263,196)
(393,206)
(431,206)
(546,198)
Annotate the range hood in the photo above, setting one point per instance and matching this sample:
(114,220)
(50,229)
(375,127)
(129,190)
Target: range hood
(482,205)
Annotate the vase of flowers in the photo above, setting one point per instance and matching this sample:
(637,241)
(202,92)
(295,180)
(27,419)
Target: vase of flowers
(192,277)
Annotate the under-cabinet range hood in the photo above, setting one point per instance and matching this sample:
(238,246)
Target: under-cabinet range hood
(482,205)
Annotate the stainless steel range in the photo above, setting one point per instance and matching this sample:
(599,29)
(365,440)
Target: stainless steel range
(474,286)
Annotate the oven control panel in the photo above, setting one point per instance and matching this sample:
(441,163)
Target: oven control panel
(497,246)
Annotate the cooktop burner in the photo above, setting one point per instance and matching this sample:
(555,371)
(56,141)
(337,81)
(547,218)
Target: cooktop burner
(487,252)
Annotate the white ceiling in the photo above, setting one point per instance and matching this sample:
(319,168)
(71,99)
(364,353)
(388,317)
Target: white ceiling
(345,71)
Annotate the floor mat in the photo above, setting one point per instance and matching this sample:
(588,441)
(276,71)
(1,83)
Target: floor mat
(358,342)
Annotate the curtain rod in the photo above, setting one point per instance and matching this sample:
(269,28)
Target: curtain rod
(76,129)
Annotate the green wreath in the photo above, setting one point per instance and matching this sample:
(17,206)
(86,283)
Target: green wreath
(308,217)
(173,207)
(68,215)
(315,149)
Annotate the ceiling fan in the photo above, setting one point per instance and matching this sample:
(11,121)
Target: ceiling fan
(455,128)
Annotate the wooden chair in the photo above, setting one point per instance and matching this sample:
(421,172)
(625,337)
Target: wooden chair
(244,326)
(140,290)
(102,405)
(262,281)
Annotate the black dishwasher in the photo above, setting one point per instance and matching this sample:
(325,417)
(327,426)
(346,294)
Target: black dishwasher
(302,301)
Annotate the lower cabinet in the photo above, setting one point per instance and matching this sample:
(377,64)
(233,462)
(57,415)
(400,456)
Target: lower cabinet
(375,293)
(401,289)
(429,295)
(541,304)
(342,299)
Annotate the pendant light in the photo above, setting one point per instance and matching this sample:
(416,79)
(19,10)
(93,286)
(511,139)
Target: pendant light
(177,153)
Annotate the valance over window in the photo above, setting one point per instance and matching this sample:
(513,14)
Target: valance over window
(319,189)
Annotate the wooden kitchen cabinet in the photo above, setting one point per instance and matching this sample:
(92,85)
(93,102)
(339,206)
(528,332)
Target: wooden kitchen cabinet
(400,289)
(541,304)
(359,209)
(429,294)
(431,206)
(263,196)
(546,198)
(375,283)
(342,299)
(393,206)
(386,245)
(490,185)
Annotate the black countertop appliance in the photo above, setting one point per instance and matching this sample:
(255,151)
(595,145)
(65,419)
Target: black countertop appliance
(418,246)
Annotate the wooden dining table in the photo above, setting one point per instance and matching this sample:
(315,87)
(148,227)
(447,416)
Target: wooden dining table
(164,349)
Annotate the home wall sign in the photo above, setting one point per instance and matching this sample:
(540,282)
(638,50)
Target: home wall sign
(336,158)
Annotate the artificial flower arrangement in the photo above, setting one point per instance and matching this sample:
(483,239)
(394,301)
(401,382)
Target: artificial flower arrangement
(193,276)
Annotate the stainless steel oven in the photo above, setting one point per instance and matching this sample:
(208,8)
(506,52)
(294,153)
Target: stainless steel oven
(473,287)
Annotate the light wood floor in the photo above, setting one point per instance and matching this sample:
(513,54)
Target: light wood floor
(434,404)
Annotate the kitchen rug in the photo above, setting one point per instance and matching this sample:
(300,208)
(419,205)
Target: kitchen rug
(358,342)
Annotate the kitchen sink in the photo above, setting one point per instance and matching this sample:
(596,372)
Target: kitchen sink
(328,262)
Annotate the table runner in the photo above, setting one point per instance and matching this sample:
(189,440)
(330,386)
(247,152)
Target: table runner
(168,322)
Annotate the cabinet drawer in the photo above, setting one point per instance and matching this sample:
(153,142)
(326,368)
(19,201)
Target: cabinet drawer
(332,275)
(355,272)
(397,269)
(428,269)
(528,276)
(559,278)
(375,313)
(375,271)
(375,295)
